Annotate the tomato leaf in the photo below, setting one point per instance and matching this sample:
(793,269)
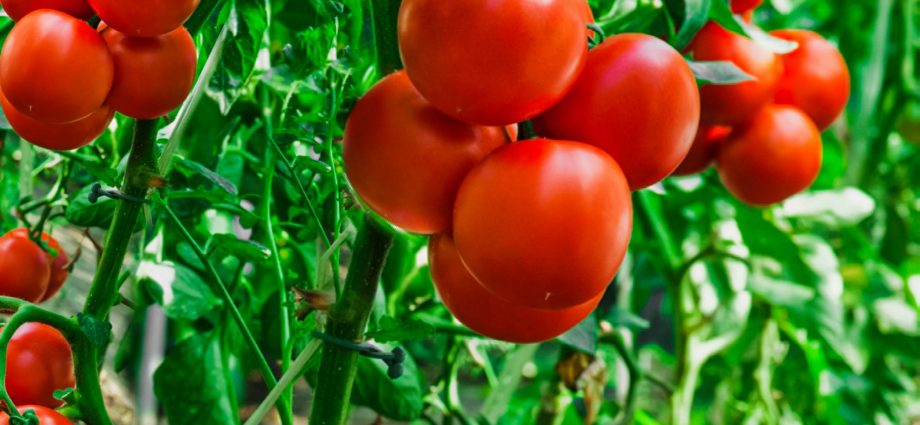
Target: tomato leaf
(388,329)
(97,331)
(775,44)
(718,72)
(82,212)
(721,12)
(250,251)
(695,13)
(247,21)
(177,288)
(192,383)
(192,167)
(582,337)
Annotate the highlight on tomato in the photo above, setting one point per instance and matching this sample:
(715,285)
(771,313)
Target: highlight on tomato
(704,151)
(39,363)
(59,261)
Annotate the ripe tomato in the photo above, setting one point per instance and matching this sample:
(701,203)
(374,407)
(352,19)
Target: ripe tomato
(58,262)
(58,137)
(144,18)
(152,75)
(38,363)
(544,223)
(25,269)
(489,315)
(637,100)
(742,6)
(815,77)
(55,68)
(16,9)
(704,151)
(493,62)
(736,103)
(45,416)
(406,159)
(775,156)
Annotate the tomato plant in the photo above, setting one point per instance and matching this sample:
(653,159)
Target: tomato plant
(38,363)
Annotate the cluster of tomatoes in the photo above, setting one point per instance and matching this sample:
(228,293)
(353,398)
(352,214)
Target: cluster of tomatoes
(38,358)
(62,80)
(765,134)
(527,235)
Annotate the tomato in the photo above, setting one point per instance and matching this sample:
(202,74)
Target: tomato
(742,6)
(25,269)
(152,75)
(815,77)
(493,62)
(144,18)
(704,151)
(55,68)
(58,262)
(16,9)
(736,103)
(45,416)
(58,137)
(406,159)
(544,223)
(489,315)
(38,363)
(775,156)
(637,100)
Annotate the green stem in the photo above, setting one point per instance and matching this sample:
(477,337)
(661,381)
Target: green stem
(385,13)
(347,320)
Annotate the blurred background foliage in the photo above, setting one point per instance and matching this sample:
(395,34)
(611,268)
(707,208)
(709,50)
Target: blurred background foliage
(807,312)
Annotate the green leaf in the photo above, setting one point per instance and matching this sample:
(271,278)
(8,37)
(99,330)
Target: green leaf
(178,289)
(777,45)
(718,72)
(388,329)
(695,14)
(622,318)
(721,12)
(97,331)
(192,386)
(81,212)
(836,208)
(250,251)
(764,238)
(247,22)
(582,337)
(399,399)
(196,168)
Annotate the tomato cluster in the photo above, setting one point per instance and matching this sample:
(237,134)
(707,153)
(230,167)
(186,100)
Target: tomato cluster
(45,416)
(61,80)
(27,270)
(764,134)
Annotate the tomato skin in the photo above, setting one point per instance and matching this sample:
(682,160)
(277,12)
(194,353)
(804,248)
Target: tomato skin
(58,263)
(815,77)
(25,269)
(45,416)
(637,100)
(489,315)
(704,151)
(58,137)
(55,68)
(152,75)
(544,223)
(39,362)
(493,62)
(742,6)
(144,18)
(775,156)
(406,159)
(734,104)
(17,9)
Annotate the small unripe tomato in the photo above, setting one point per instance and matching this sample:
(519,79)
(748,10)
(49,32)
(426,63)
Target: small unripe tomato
(544,223)
(39,363)
(704,151)
(25,269)
(144,18)
(58,137)
(734,104)
(637,100)
(406,159)
(45,416)
(17,9)
(815,77)
(153,75)
(486,313)
(775,156)
(59,262)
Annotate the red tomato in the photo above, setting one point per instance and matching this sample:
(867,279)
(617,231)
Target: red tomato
(45,416)
(775,156)
(55,68)
(815,77)
(406,159)
(742,6)
(144,18)
(637,100)
(736,103)
(58,137)
(493,62)
(489,315)
(38,363)
(704,151)
(152,75)
(25,269)
(16,9)
(544,223)
(58,262)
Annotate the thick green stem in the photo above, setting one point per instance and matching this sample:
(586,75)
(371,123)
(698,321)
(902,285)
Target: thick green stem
(348,320)
(385,14)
